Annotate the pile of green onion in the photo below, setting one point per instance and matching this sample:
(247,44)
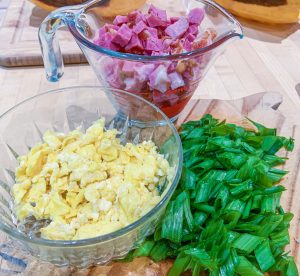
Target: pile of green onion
(225,216)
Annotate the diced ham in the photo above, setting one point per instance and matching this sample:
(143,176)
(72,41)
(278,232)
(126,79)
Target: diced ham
(153,44)
(128,68)
(187,45)
(123,36)
(108,64)
(162,14)
(134,44)
(154,21)
(161,32)
(101,32)
(120,19)
(190,37)
(177,29)
(151,32)
(140,76)
(105,41)
(196,16)
(159,80)
(166,44)
(111,69)
(139,27)
(172,66)
(174,19)
(143,71)
(168,98)
(136,16)
(176,80)
(133,85)
(193,29)
(109,27)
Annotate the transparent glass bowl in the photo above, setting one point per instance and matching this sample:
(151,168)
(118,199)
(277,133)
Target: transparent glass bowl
(63,110)
(84,21)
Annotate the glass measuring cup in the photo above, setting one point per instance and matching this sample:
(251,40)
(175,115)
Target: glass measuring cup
(218,28)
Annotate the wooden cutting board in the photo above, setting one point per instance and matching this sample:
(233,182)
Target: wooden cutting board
(281,14)
(19,44)
(260,107)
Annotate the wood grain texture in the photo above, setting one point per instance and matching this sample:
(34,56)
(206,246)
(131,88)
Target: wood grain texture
(261,107)
(19,37)
(280,14)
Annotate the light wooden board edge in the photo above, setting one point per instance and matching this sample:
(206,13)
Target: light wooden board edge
(283,14)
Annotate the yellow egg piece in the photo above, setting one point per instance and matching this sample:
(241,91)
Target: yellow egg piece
(34,163)
(91,230)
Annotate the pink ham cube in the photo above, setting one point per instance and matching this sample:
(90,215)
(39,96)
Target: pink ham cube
(177,29)
(105,41)
(187,45)
(193,29)
(159,80)
(120,19)
(176,80)
(151,32)
(109,27)
(153,44)
(134,44)
(111,69)
(190,37)
(139,27)
(133,85)
(154,21)
(129,68)
(122,36)
(143,71)
(136,16)
(174,19)
(196,16)
(101,32)
(162,14)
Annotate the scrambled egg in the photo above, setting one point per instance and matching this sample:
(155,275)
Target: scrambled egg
(88,184)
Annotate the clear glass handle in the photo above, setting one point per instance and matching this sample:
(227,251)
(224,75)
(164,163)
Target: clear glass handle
(51,52)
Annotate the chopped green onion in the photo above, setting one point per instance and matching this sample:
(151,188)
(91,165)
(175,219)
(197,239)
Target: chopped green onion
(264,256)
(180,265)
(201,257)
(246,268)
(247,243)
(173,222)
(144,249)
(160,251)
(225,216)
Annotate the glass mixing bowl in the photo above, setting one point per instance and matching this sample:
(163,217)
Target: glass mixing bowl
(63,110)
(133,72)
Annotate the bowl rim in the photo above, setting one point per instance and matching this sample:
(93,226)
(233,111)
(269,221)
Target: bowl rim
(113,235)
(237,31)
